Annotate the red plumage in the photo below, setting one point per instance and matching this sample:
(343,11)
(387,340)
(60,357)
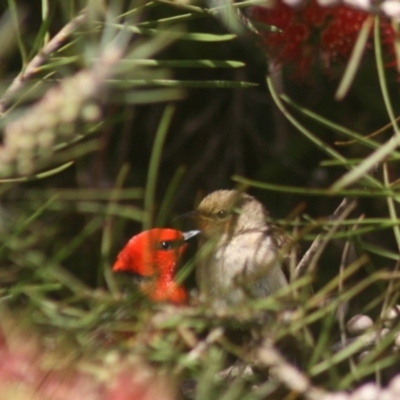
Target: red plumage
(155,254)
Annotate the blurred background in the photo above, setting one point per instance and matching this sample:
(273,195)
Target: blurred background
(142,109)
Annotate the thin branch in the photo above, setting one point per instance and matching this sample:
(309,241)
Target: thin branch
(295,380)
(31,69)
(303,266)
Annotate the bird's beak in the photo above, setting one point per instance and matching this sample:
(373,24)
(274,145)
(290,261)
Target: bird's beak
(189,234)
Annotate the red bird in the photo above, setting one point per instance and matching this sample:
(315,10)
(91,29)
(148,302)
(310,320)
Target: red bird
(154,255)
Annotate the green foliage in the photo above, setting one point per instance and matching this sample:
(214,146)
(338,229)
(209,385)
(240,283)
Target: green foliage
(113,80)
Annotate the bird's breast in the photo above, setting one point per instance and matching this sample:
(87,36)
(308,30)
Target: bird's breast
(242,266)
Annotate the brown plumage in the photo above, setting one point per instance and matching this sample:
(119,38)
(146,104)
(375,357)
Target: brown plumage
(239,250)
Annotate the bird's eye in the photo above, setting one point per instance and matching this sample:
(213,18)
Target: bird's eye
(165,245)
(222,214)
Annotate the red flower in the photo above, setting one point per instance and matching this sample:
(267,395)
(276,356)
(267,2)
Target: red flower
(314,33)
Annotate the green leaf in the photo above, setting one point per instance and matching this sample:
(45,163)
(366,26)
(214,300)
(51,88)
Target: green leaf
(184,63)
(186,84)
(367,192)
(190,36)
(355,59)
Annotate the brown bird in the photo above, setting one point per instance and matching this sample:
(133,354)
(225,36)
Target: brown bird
(239,251)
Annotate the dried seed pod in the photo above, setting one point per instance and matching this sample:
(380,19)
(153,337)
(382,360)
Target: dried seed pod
(336,396)
(368,391)
(394,385)
(390,315)
(359,324)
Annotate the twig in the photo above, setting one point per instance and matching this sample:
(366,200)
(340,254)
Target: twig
(341,312)
(361,342)
(303,266)
(31,69)
(288,374)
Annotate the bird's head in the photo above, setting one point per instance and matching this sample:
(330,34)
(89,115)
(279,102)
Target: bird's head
(229,212)
(153,255)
